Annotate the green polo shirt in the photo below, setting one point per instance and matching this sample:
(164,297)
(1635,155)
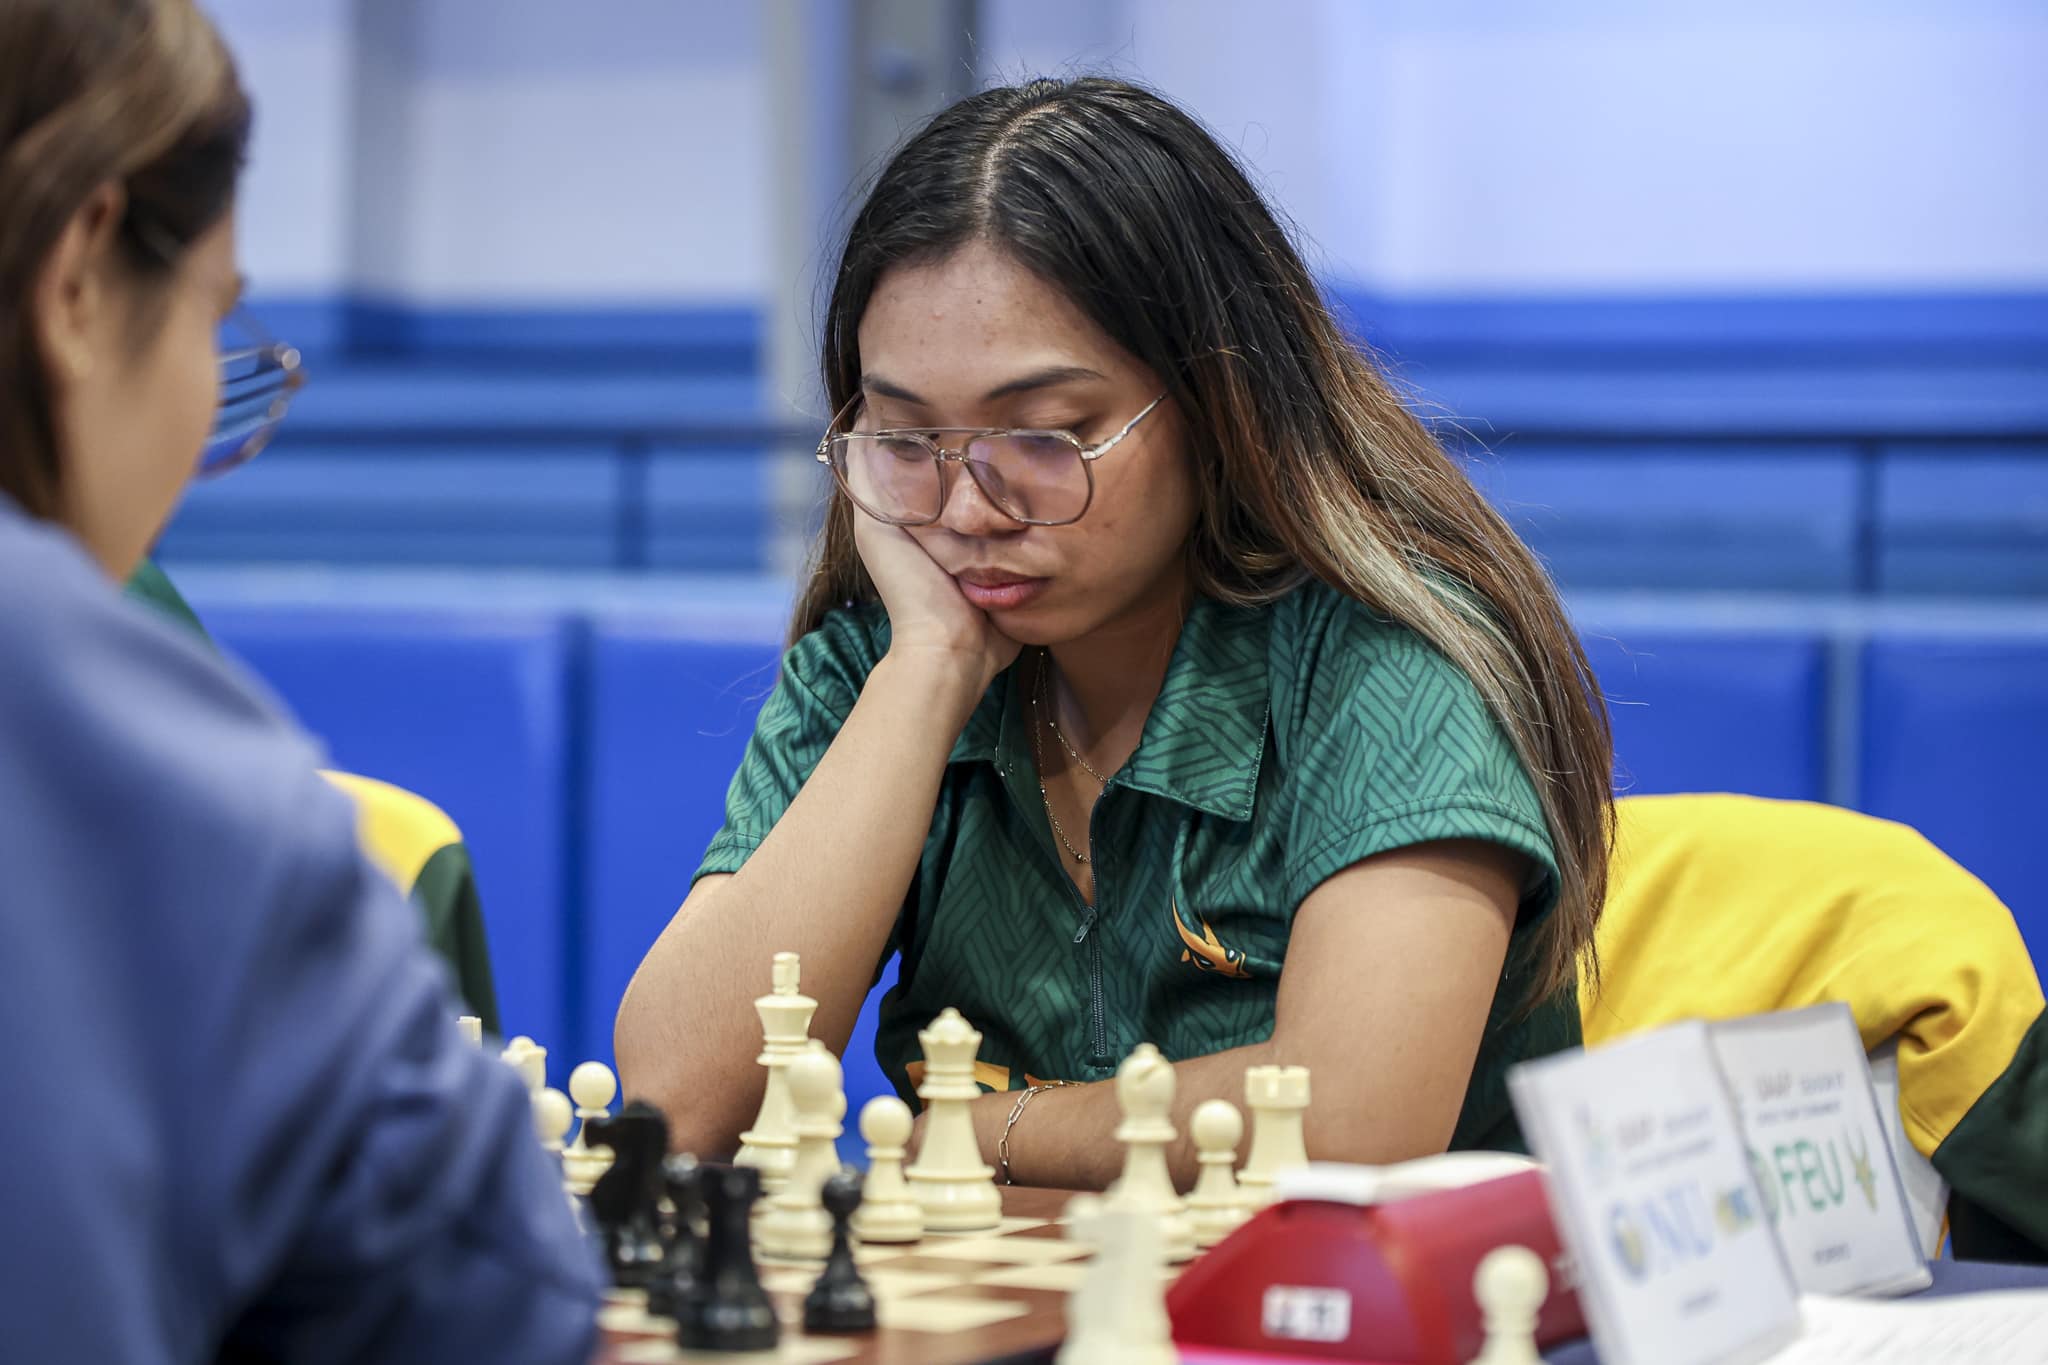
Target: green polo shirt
(1287,743)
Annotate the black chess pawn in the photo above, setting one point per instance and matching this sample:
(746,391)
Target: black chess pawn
(731,1312)
(673,1290)
(841,1300)
(626,1200)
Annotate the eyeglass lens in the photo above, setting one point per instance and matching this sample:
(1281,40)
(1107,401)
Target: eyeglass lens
(1036,477)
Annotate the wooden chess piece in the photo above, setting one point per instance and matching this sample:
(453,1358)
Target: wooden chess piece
(1510,1284)
(841,1300)
(950,1181)
(592,1087)
(1144,1089)
(1216,1206)
(1278,1098)
(626,1200)
(679,1280)
(770,1144)
(796,1226)
(732,1312)
(888,1213)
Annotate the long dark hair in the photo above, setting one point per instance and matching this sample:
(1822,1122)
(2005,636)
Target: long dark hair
(138,93)
(1308,465)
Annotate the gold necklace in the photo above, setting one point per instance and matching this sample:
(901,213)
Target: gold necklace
(1038,761)
(1051,723)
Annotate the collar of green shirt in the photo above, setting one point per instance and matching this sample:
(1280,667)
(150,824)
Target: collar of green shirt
(1206,735)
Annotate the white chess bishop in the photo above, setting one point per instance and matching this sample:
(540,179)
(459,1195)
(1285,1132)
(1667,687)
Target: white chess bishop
(949,1180)
(796,1225)
(770,1145)
(1144,1090)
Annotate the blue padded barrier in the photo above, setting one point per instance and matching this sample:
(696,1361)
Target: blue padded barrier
(1700,516)
(1955,742)
(472,711)
(1716,712)
(553,506)
(671,708)
(1963,520)
(672,703)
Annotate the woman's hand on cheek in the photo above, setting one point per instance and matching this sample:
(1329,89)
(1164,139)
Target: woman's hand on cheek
(929,619)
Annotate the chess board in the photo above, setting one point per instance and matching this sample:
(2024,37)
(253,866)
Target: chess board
(950,1299)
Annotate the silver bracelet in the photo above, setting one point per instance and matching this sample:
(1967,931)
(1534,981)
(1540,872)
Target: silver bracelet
(1016,1111)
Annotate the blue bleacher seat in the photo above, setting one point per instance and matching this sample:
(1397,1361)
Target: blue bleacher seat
(1955,742)
(1971,519)
(472,712)
(1716,712)
(553,506)
(1694,516)
(711,510)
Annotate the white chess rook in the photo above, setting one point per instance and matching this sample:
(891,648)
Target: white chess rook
(1510,1284)
(1216,1206)
(953,1185)
(592,1087)
(888,1212)
(796,1225)
(1278,1099)
(1144,1090)
(770,1145)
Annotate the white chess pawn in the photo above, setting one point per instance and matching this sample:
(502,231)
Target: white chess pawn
(1216,1205)
(770,1144)
(1144,1089)
(551,1118)
(592,1086)
(472,1029)
(1278,1097)
(1510,1284)
(887,1212)
(796,1226)
(955,1187)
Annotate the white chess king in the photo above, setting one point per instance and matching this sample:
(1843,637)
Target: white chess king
(770,1145)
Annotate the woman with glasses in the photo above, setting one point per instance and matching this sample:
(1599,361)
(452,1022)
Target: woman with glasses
(1159,679)
(246,1126)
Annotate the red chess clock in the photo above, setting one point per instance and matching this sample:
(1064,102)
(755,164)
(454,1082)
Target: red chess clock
(1388,1283)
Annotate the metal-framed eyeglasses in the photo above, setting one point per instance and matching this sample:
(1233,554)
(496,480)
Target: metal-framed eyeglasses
(258,376)
(1038,477)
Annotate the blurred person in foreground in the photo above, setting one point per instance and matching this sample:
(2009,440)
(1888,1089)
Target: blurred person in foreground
(246,1125)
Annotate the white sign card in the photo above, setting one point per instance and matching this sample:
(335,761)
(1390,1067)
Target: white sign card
(1654,1199)
(1818,1148)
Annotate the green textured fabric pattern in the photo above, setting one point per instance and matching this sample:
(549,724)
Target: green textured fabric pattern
(446,895)
(1996,1162)
(151,585)
(1287,743)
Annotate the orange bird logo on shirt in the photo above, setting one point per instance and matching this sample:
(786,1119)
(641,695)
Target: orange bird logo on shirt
(1206,951)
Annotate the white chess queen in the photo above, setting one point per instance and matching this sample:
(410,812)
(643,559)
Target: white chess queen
(1160,679)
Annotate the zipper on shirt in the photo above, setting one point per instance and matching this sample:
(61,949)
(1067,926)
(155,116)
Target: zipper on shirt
(1098,1023)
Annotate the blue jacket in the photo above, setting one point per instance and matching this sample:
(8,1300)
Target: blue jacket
(239,1122)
